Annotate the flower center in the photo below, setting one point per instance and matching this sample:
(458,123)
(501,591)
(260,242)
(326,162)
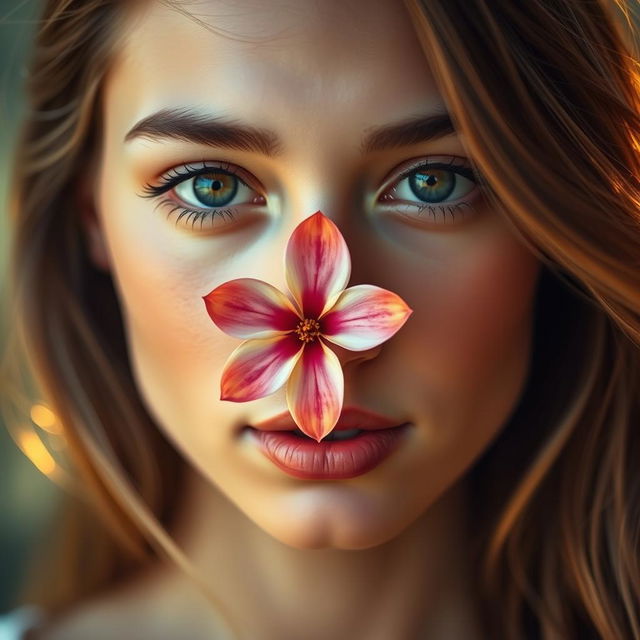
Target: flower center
(308,329)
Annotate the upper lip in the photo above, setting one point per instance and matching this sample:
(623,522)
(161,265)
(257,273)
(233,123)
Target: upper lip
(350,418)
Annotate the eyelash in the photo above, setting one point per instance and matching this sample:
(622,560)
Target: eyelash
(463,168)
(174,177)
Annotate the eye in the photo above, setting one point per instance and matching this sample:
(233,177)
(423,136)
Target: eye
(433,192)
(205,192)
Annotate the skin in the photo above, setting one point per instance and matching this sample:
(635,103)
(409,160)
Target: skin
(377,556)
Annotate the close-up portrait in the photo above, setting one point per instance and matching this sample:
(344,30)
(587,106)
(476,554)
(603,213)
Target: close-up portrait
(320,320)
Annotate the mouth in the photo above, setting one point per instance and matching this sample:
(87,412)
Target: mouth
(351,419)
(360,441)
(329,459)
(334,436)
(342,434)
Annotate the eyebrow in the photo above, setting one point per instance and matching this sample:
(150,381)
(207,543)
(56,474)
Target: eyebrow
(191,126)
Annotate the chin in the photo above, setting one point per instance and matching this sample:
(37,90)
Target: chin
(311,520)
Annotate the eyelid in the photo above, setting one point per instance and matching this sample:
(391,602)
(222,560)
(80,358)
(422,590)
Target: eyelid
(180,174)
(407,167)
(396,205)
(175,176)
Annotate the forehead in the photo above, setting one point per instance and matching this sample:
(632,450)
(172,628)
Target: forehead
(337,64)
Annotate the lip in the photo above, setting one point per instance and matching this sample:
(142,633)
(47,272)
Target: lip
(350,418)
(304,458)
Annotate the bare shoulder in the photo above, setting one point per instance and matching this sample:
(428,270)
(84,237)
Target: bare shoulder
(99,619)
(85,621)
(129,613)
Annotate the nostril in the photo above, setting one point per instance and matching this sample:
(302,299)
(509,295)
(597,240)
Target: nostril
(347,357)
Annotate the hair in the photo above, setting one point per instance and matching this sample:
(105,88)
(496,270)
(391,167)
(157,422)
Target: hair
(547,96)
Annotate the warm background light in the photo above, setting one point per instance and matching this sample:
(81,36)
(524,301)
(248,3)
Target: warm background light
(45,418)
(34,449)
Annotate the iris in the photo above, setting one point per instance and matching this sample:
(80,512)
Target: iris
(215,189)
(432,186)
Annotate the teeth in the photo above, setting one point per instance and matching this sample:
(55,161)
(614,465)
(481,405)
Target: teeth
(343,435)
(334,435)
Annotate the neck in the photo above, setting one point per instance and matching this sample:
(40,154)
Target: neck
(415,585)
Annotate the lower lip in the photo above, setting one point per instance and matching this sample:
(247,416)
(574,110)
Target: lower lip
(328,460)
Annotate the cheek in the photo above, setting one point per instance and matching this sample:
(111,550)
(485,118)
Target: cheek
(479,310)
(174,347)
(161,273)
(461,361)
(462,358)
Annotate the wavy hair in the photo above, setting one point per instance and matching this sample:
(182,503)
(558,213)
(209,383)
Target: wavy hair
(547,96)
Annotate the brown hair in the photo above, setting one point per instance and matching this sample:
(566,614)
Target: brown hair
(547,95)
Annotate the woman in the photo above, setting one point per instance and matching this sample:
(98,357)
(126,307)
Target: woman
(480,160)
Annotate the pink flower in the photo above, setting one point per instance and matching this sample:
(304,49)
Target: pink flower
(288,339)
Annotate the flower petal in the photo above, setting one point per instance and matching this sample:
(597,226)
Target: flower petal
(315,390)
(317,263)
(363,317)
(250,308)
(257,368)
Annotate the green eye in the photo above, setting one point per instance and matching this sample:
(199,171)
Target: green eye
(434,185)
(205,192)
(433,188)
(215,189)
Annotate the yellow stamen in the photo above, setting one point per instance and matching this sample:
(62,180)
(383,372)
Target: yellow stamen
(308,329)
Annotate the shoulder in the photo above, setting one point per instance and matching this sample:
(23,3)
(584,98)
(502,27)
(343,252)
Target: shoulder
(81,622)
(114,612)
(100,619)
(123,615)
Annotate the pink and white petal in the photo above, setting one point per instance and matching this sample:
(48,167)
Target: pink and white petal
(317,263)
(315,390)
(257,368)
(250,308)
(363,317)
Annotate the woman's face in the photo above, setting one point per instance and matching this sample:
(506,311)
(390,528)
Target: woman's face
(322,78)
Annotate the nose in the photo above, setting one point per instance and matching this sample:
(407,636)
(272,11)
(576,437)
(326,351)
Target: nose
(350,359)
(322,186)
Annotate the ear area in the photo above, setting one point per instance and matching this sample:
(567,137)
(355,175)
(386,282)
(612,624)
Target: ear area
(92,227)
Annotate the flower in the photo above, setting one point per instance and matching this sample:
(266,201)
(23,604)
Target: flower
(288,338)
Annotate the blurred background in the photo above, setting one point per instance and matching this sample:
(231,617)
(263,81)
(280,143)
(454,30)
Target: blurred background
(28,493)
